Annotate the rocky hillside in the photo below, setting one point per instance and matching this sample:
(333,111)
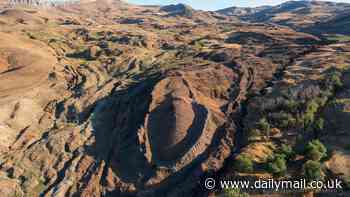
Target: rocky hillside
(103,98)
(311,16)
(39,3)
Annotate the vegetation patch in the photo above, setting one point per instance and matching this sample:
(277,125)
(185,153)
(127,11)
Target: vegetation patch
(339,38)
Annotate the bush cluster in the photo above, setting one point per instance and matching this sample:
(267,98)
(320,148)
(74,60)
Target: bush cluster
(312,170)
(243,163)
(315,150)
(277,166)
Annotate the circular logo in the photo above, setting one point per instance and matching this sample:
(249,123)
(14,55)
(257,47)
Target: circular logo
(209,183)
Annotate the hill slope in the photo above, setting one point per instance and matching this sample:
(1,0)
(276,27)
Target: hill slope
(300,15)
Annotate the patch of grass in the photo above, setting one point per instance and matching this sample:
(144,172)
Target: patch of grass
(339,38)
(226,29)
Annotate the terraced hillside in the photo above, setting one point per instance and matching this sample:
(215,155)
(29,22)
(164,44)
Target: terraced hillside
(103,98)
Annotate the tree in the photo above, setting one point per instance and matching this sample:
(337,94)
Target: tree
(286,120)
(264,126)
(312,170)
(253,134)
(315,150)
(287,150)
(335,80)
(278,165)
(319,124)
(244,163)
(291,106)
(312,106)
(309,115)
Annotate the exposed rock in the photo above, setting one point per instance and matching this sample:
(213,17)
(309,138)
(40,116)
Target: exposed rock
(131,21)
(94,52)
(178,10)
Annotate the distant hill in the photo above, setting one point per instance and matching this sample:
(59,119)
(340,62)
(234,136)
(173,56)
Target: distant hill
(300,15)
(178,10)
(336,25)
(39,3)
(242,11)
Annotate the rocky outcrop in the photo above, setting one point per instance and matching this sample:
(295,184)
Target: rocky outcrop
(178,10)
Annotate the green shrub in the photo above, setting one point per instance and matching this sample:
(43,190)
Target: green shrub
(244,163)
(234,192)
(322,99)
(312,170)
(285,120)
(264,126)
(253,134)
(287,150)
(335,80)
(199,44)
(319,124)
(315,150)
(278,165)
(312,107)
(307,119)
(292,106)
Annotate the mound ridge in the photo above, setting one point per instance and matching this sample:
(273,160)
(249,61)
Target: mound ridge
(183,119)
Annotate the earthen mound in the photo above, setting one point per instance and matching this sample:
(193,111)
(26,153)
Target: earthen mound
(185,113)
